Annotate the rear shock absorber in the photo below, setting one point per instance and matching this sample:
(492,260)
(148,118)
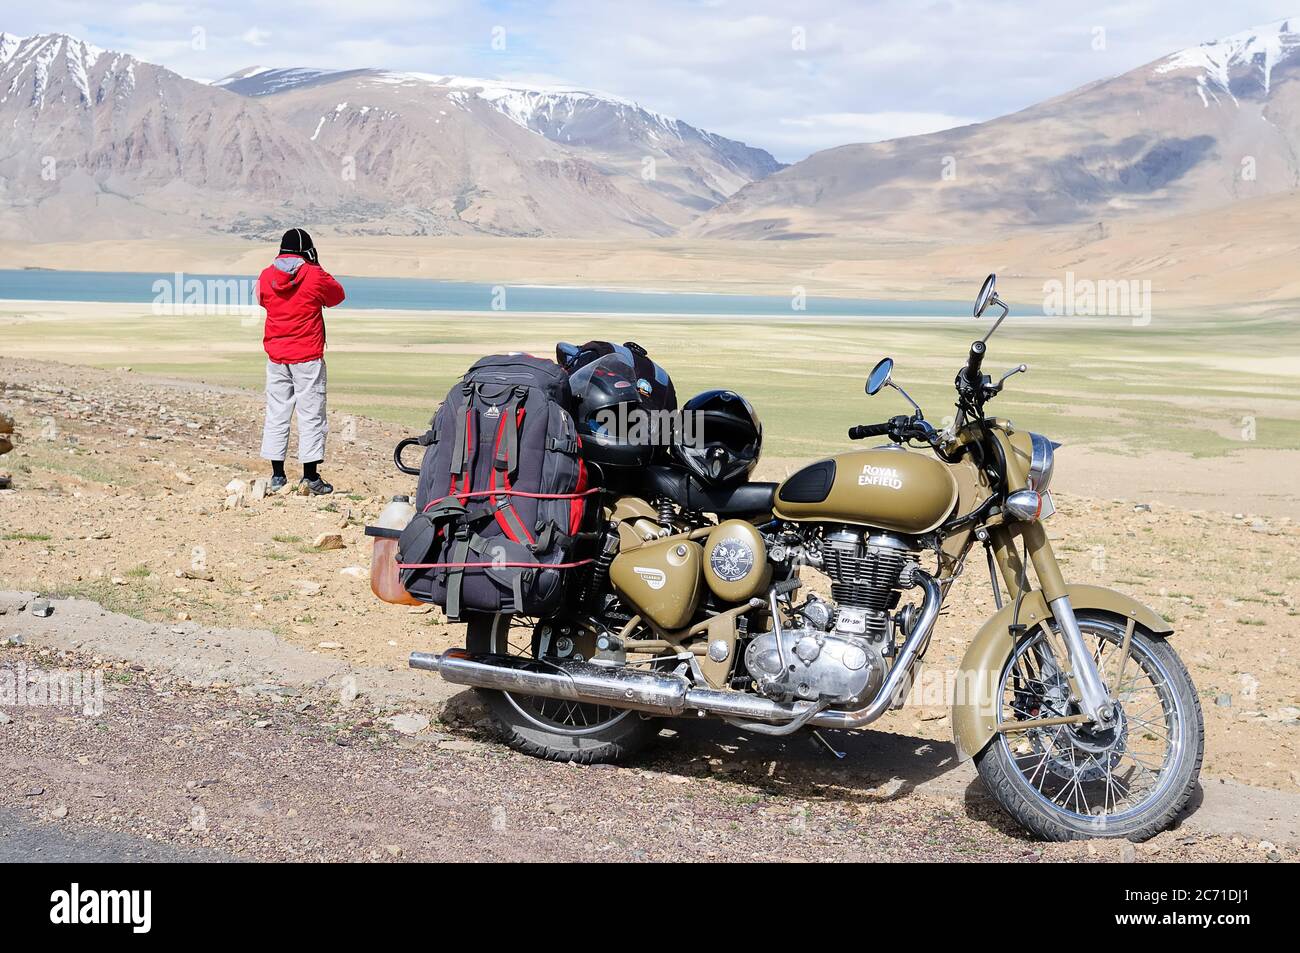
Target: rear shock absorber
(599,578)
(667,513)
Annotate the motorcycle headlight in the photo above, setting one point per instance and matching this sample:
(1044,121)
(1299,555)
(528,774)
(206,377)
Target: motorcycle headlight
(1041,460)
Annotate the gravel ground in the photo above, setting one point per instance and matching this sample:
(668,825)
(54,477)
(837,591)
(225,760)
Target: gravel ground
(216,774)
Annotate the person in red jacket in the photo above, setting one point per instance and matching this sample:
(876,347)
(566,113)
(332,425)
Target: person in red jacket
(293,289)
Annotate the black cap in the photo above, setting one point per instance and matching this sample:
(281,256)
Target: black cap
(296,241)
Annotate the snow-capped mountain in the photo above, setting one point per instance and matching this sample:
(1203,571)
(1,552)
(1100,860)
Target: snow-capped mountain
(1189,132)
(1241,64)
(101,143)
(605,129)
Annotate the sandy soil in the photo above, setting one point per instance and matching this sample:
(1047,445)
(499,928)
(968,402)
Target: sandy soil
(208,773)
(124,500)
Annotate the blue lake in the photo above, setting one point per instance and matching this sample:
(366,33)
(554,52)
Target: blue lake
(422,294)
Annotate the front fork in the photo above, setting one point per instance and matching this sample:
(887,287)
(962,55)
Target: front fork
(1091,694)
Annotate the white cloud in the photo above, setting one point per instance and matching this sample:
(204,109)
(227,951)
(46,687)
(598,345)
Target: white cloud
(255,37)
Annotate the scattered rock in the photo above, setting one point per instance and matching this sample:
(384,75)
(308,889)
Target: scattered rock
(259,490)
(308,587)
(329,645)
(328,541)
(182,617)
(16,639)
(41,608)
(348,692)
(392,849)
(1142,507)
(34,792)
(262,723)
(118,581)
(5,719)
(409,724)
(459,745)
(59,813)
(1127,852)
(1224,700)
(354,572)
(182,477)
(194,574)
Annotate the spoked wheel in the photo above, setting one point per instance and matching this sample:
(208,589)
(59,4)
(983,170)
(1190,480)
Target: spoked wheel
(553,728)
(1073,781)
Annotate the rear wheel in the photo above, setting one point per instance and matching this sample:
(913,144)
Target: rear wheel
(552,728)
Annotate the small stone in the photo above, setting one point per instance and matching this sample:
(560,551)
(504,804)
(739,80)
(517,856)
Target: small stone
(1223,701)
(16,639)
(259,490)
(392,849)
(182,617)
(59,813)
(5,719)
(1127,852)
(182,477)
(261,723)
(329,645)
(409,724)
(354,572)
(328,541)
(308,587)
(556,809)
(40,608)
(459,745)
(118,581)
(34,792)
(348,693)
(237,487)
(194,574)
(420,610)
(1142,507)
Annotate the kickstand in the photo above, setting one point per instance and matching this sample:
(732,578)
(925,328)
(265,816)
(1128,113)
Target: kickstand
(839,755)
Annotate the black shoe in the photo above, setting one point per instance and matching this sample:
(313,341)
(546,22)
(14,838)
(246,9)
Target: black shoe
(278,483)
(316,487)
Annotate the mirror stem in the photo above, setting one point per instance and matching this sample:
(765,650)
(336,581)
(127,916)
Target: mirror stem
(907,397)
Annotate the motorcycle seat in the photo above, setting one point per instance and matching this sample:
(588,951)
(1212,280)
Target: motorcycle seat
(689,492)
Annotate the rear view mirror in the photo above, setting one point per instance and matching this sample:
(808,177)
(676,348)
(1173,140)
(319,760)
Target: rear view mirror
(988,293)
(879,375)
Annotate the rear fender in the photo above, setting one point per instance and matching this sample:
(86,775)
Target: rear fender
(976,703)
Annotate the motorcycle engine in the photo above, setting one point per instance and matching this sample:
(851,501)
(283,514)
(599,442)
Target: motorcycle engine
(836,651)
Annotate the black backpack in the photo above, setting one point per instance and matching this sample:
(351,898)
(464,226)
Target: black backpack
(502,493)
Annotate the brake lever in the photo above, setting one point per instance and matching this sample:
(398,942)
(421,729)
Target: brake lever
(1018,369)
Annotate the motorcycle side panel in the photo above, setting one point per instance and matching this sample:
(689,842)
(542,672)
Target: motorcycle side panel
(735,561)
(887,488)
(663,581)
(976,702)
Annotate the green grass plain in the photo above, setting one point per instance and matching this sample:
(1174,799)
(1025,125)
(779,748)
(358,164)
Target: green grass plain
(1197,385)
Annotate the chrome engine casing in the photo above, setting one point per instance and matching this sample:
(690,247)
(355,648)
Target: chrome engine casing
(818,666)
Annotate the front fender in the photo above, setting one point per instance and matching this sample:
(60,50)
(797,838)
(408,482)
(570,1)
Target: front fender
(975,698)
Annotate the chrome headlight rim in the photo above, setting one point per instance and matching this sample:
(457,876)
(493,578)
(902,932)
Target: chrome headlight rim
(1042,461)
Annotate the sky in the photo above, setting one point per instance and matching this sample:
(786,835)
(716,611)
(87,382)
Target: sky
(790,77)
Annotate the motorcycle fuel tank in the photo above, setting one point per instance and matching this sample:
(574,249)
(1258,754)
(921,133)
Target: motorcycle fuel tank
(888,488)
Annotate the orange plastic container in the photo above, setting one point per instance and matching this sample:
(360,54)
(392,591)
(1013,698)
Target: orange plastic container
(385,581)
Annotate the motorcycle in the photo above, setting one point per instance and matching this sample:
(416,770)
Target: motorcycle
(1080,716)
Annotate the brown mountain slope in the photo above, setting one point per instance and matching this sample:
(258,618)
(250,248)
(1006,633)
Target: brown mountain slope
(1197,129)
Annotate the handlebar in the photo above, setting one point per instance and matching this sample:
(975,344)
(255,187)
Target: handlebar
(862,431)
(975,363)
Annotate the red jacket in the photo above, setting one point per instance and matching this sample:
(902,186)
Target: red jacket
(293,291)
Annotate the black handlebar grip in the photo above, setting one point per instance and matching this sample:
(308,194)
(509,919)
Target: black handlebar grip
(975,362)
(397,455)
(868,430)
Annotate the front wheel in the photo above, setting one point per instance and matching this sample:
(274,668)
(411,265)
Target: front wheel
(552,728)
(1073,781)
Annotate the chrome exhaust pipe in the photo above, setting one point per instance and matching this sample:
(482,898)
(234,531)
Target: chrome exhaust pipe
(640,690)
(659,693)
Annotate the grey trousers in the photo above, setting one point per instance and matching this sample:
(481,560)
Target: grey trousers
(287,386)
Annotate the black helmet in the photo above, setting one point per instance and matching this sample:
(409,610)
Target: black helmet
(720,437)
(607,404)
